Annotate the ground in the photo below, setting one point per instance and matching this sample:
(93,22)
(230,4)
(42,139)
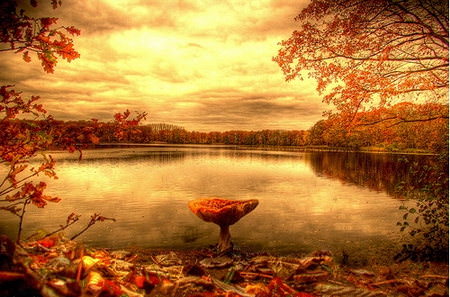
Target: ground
(56,268)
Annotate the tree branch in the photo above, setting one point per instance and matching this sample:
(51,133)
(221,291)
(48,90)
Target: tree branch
(418,120)
(378,121)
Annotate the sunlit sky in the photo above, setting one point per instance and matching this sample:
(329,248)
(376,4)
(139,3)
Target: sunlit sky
(203,65)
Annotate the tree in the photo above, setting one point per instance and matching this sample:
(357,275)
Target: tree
(23,33)
(390,128)
(367,54)
(410,125)
(25,128)
(19,142)
(22,139)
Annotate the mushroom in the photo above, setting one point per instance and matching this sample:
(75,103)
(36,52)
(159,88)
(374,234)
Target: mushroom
(224,213)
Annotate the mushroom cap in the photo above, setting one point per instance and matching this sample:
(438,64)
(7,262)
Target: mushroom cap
(223,212)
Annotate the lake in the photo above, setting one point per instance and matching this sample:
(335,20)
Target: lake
(338,201)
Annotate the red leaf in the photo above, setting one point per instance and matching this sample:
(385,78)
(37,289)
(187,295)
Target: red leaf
(139,281)
(46,63)
(47,242)
(51,199)
(26,57)
(112,288)
(153,279)
(47,22)
(72,30)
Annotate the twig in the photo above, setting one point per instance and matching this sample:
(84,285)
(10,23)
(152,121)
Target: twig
(90,224)
(6,176)
(155,261)
(10,276)
(15,186)
(71,221)
(255,274)
(390,281)
(434,276)
(79,268)
(21,216)
(94,219)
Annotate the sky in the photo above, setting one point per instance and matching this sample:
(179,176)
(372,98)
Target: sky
(202,65)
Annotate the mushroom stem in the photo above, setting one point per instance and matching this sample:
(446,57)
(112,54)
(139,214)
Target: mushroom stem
(224,239)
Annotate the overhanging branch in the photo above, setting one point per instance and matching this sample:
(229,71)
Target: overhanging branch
(402,120)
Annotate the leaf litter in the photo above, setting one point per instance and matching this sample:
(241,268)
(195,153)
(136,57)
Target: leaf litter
(58,267)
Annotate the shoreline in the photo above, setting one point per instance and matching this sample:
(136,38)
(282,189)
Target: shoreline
(306,149)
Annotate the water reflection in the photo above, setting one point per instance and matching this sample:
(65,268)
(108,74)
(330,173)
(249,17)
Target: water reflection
(379,172)
(123,155)
(308,201)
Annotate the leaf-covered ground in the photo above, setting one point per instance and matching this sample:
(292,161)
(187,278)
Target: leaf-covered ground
(55,267)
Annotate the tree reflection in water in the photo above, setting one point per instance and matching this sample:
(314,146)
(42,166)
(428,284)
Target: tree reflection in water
(378,172)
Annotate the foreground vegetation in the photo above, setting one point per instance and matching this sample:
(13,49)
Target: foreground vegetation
(55,267)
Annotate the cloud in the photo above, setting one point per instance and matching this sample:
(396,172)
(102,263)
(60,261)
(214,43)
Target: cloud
(231,109)
(198,64)
(96,17)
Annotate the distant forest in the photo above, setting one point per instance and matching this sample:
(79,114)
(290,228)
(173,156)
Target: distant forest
(394,129)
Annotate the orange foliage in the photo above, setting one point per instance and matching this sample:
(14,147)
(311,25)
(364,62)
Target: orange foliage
(24,34)
(404,125)
(366,54)
(19,142)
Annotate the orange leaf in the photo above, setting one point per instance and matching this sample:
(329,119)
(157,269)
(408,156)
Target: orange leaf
(139,281)
(51,199)
(94,139)
(47,242)
(72,30)
(26,57)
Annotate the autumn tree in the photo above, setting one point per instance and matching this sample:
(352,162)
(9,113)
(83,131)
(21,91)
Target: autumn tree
(367,54)
(26,129)
(22,139)
(370,55)
(395,128)
(408,125)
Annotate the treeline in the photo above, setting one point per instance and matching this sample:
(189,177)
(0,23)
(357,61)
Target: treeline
(178,135)
(106,132)
(403,126)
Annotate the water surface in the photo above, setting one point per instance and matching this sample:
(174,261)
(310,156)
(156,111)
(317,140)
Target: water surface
(343,202)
